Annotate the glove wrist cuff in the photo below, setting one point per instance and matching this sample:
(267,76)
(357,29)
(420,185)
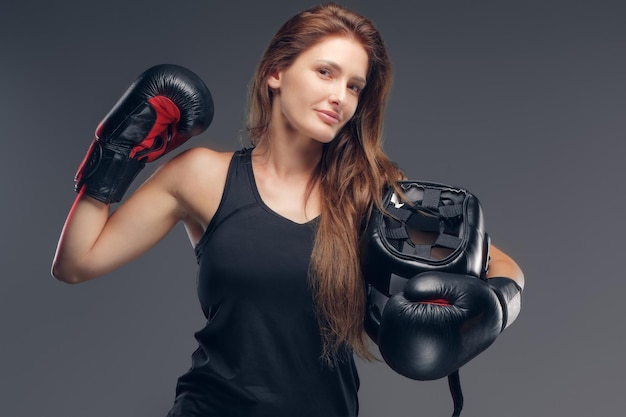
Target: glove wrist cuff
(509,294)
(106,173)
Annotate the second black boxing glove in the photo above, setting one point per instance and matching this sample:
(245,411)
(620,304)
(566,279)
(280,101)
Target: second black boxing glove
(161,110)
(440,321)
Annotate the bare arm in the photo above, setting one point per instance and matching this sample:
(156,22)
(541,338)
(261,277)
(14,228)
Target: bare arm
(94,243)
(187,188)
(502,265)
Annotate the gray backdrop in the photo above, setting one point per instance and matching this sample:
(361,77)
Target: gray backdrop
(522,102)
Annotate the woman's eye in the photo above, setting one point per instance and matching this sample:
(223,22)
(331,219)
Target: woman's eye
(355,88)
(324,72)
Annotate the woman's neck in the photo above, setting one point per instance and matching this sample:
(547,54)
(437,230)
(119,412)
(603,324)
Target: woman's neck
(285,173)
(287,155)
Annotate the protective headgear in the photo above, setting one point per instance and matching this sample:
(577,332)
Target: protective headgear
(435,227)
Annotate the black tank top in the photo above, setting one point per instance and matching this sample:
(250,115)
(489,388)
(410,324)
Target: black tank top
(259,352)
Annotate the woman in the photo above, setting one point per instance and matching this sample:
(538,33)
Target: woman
(275,227)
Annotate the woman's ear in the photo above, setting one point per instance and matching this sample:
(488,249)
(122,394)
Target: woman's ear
(274,80)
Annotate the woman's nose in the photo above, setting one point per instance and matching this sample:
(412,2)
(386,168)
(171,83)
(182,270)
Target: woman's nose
(337,95)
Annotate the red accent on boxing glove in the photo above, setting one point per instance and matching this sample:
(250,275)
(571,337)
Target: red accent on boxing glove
(163,136)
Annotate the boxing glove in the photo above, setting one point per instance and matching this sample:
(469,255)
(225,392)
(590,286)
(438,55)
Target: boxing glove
(161,110)
(440,321)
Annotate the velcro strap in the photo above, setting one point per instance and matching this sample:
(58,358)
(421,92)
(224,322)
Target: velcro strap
(424,223)
(396,233)
(447,241)
(399,213)
(431,198)
(423,251)
(455,210)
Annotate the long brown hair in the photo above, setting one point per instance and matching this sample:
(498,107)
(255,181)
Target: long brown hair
(352,173)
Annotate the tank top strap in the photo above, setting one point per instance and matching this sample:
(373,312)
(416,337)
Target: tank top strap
(238,194)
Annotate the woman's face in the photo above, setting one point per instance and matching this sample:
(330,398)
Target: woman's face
(317,95)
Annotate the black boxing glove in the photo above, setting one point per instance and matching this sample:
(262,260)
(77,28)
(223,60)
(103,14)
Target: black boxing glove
(440,321)
(161,110)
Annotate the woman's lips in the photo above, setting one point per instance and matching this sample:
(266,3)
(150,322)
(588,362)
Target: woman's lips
(328,116)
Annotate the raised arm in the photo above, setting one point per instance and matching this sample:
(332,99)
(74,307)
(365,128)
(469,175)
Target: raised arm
(93,243)
(163,108)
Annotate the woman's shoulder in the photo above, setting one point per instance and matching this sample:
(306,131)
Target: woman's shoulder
(197,177)
(196,164)
(202,158)
(200,166)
